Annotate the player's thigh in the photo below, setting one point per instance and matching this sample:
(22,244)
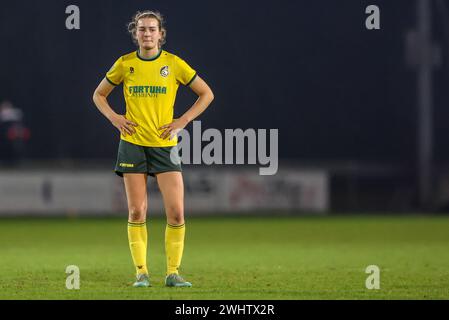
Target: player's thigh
(136,192)
(171,186)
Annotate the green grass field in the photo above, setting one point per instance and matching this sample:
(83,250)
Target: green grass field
(232,258)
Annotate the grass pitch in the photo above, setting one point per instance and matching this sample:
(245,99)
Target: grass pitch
(231,258)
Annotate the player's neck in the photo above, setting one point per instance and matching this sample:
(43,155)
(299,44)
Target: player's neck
(150,53)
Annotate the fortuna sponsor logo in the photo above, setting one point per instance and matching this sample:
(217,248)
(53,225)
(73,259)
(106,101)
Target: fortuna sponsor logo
(126,165)
(146,91)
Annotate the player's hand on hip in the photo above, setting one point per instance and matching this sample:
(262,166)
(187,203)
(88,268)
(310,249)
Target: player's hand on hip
(172,129)
(124,125)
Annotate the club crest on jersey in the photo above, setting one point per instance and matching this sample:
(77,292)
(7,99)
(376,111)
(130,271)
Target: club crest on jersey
(131,70)
(164,71)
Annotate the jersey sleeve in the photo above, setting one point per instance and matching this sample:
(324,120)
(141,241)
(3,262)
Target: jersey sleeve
(184,73)
(115,74)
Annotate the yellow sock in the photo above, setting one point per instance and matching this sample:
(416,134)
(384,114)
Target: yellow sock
(174,246)
(137,238)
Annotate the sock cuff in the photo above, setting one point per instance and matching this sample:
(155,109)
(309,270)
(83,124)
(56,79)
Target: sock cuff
(172,226)
(136,224)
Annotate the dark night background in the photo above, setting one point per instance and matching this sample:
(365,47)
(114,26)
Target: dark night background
(335,90)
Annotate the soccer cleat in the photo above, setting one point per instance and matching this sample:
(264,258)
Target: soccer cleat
(175,280)
(142,281)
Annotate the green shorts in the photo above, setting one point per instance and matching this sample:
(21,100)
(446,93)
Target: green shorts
(133,158)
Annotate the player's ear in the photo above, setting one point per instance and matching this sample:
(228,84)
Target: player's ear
(163,36)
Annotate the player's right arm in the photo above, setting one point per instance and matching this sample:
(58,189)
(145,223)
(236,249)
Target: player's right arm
(103,90)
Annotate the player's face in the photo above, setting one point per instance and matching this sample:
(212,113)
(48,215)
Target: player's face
(148,33)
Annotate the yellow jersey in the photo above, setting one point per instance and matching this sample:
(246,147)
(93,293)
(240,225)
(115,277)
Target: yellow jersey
(149,87)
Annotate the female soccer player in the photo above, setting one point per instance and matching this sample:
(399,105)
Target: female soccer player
(151,77)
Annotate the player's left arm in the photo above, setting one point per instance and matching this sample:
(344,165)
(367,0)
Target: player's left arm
(205,97)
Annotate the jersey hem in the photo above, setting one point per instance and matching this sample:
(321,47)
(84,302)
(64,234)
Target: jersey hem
(149,145)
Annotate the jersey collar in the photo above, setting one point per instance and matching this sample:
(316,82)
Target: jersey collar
(149,59)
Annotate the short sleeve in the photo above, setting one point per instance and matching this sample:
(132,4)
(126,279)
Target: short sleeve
(115,74)
(184,73)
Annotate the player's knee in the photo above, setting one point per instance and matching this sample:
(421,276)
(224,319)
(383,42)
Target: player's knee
(175,215)
(175,221)
(137,213)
